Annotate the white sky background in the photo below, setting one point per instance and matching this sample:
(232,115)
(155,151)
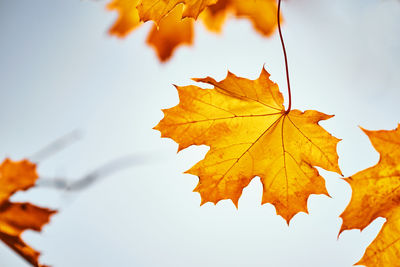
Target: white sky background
(60,71)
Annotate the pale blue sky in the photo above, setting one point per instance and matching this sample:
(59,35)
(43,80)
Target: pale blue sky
(60,71)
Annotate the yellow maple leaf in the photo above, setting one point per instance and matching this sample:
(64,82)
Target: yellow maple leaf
(18,217)
(250,134)
(128,18)
(172,32)
(376,193)
(174,20)
(262,13)
(155,10)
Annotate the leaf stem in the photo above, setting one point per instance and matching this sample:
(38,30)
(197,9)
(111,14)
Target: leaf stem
(284,54)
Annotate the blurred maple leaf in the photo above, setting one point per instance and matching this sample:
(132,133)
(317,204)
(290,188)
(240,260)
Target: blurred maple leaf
(128,18)
(250,134)
(376,193)
(16,217)
(262,13)
(155,10)
(170,33)
(174,20)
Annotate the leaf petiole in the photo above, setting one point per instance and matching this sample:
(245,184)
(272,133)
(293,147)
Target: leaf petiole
(285,56)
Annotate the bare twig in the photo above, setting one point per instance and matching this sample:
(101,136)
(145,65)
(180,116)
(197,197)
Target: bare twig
(93,176)
(56,146)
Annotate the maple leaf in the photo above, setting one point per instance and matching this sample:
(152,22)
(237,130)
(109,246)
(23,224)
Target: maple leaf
(262,13)
(376,193)
(250,134)
(157,9)
(174,20)
(128,18)
(15,217)
(170,33)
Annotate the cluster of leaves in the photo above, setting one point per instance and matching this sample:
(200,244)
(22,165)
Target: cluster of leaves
(174,20)
(249,132)
(17,217)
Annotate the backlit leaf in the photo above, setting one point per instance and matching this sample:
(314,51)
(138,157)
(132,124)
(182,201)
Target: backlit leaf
(376,193)
(171,33)
(174,19)
(128,18)
(250,134)
(157,9)
(15,218)
(261,13)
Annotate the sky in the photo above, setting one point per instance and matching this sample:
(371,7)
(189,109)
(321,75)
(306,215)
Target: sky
(60,72)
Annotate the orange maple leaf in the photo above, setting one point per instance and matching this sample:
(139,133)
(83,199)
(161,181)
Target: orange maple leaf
(172,32)
(174,20)
(15,218)
(376,193)
(155,10)
(250,134)
(262,13)
(128,18)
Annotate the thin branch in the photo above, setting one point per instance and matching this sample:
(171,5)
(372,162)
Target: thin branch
(56,146)
(94,176)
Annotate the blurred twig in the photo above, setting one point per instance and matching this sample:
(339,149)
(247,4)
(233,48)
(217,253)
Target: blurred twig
(56,146)
(87,180)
